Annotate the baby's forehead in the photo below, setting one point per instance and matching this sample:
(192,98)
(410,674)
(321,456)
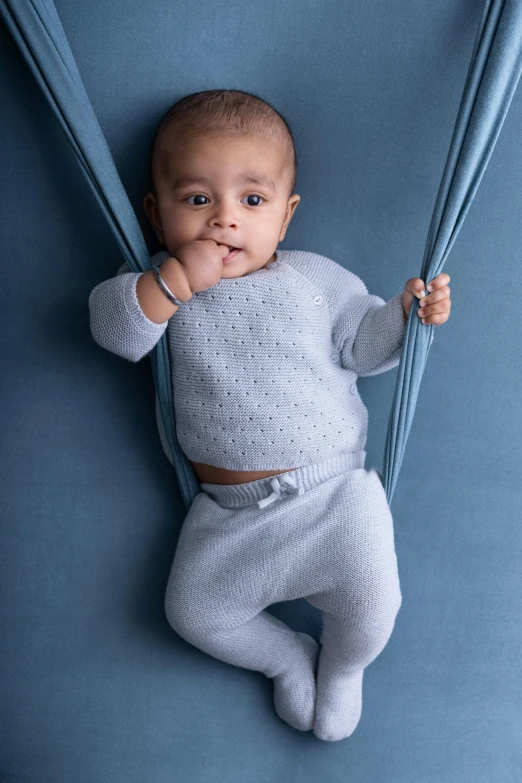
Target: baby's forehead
(266,156)
(259,142)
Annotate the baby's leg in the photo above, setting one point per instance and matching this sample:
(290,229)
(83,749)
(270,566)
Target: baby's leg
(359,610)
(221,579)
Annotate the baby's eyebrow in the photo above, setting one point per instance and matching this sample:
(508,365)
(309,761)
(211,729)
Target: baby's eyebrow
(259,179)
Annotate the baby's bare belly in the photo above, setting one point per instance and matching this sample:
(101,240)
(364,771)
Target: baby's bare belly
(211,474)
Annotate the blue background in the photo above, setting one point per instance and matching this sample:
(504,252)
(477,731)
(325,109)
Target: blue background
(95,685)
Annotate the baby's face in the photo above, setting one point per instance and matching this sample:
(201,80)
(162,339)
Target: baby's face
(220,203)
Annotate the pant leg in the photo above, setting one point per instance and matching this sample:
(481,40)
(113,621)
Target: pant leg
(221,580)
(359,607)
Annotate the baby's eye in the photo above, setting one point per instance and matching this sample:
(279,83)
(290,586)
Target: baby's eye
(200,195)
(254,195)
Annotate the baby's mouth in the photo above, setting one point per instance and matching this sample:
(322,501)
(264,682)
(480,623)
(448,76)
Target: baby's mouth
(232,252)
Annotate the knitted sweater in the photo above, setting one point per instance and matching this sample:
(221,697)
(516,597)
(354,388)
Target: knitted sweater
(264,366)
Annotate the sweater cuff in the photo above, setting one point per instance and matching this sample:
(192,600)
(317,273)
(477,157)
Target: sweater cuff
(400,327)
(134,310)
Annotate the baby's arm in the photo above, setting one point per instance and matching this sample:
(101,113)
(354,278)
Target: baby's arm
(129,313)
(369,331)
(117,319)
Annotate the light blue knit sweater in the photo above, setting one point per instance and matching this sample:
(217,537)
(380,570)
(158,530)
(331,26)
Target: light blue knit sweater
(264,366)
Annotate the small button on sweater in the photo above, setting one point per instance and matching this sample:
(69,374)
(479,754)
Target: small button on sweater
(264,366)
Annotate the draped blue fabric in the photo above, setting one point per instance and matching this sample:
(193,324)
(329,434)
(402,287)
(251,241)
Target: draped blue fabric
(494,71)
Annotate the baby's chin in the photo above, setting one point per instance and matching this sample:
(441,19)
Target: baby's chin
(230,271)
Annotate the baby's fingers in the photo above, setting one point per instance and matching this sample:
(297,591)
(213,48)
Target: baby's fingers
(436,296)
(437,313)
(439,281)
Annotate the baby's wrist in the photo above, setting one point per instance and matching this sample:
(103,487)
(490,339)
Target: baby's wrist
(175,278)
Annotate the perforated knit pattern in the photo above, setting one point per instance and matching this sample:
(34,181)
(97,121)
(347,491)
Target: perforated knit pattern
(264,366)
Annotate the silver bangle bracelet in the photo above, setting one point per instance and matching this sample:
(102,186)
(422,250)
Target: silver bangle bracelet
(166,291)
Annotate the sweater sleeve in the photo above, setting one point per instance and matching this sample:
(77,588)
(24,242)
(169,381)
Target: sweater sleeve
(369,331)
(117,321)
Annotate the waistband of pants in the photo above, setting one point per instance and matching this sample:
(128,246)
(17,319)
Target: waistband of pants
(265,491)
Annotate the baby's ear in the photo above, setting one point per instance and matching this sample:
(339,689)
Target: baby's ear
(151,208)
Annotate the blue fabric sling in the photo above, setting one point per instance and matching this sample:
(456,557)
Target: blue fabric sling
(494,71)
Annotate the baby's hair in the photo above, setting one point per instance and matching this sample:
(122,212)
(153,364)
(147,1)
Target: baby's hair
(212,111)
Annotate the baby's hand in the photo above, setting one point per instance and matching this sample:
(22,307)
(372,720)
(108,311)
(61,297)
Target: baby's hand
(436,306)
(202,262)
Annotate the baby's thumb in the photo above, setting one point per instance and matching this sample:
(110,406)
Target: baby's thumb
(225,250)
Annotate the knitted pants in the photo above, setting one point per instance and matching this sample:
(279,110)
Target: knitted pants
(323,532)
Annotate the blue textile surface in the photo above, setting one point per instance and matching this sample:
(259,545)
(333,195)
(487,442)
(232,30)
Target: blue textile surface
(95,685)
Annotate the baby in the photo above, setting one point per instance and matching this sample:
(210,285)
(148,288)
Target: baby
(265,346)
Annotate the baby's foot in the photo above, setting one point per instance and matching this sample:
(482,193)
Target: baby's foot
(294,690)
(339,705)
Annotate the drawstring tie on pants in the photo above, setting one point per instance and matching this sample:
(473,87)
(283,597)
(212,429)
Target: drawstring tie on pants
(286,484)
